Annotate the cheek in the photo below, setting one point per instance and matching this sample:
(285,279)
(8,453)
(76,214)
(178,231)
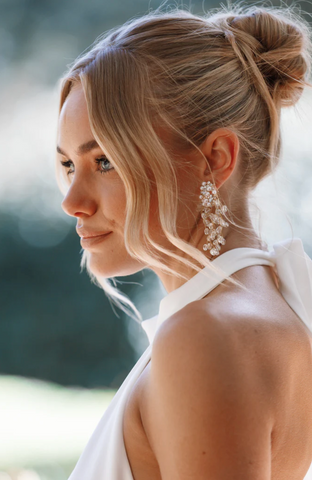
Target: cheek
(113,202)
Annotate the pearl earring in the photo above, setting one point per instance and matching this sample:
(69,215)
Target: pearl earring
(213,221)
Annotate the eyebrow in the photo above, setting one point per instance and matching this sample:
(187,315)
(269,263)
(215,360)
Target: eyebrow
(82,149)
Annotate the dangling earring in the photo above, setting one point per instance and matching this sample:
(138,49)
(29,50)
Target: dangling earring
(209,198)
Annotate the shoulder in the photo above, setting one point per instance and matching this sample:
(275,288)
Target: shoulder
(241,332)
(208,404)
(194,336)
(206,332)
(233,344)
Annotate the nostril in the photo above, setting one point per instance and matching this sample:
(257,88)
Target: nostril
(79,214)
(78,209)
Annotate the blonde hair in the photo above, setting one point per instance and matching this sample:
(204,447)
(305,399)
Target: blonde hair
(190,74)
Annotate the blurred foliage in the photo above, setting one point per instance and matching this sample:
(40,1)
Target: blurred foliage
(49,34)
(55,324)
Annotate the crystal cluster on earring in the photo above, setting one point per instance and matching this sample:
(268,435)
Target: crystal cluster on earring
(213,222)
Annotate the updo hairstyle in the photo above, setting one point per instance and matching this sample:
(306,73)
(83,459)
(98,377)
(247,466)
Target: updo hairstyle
(189,75)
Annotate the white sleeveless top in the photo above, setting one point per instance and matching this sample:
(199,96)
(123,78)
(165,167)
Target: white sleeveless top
(105,457)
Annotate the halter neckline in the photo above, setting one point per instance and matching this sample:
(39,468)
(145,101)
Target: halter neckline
(286,257)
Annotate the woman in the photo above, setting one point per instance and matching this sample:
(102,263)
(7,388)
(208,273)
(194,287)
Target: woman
(165,127)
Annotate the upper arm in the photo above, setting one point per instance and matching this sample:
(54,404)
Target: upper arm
(207,409)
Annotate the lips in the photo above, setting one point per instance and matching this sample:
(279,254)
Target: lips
(84,233)
(90,241)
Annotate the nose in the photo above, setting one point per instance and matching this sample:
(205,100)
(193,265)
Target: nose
(79,201)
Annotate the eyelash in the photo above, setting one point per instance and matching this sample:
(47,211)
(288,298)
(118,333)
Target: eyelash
(68,163)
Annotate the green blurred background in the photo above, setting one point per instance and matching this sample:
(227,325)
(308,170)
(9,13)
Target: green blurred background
(63,350)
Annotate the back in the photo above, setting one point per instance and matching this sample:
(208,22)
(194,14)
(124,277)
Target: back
(265,332)
(270,341)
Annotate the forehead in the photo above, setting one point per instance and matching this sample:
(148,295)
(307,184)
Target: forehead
(73,118)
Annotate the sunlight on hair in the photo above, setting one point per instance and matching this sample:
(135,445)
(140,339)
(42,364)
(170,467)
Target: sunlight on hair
(168,66)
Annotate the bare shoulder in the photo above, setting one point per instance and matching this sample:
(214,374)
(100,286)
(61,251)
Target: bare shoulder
(220,391)
(232,334)
(241,343)
(209,409)
(201,338)
(227,392)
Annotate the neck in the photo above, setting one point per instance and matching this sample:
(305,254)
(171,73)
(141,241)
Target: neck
(236,237)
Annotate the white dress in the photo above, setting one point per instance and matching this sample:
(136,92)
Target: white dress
(105,457)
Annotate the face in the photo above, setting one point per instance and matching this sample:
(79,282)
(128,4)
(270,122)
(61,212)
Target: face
(96,195)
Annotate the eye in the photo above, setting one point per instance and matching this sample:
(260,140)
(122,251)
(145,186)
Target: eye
(104,164)
(69,165)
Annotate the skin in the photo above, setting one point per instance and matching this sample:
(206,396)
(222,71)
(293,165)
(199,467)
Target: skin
(97,200)
(248,355)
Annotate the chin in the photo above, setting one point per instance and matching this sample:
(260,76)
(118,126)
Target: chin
(103,267)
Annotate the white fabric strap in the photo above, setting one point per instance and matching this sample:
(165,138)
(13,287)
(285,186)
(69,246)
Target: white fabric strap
(291,263)
(207,279)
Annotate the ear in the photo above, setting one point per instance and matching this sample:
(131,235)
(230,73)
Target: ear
(221,149)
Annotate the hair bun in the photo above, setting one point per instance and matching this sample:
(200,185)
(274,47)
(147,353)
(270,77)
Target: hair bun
(280,43)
